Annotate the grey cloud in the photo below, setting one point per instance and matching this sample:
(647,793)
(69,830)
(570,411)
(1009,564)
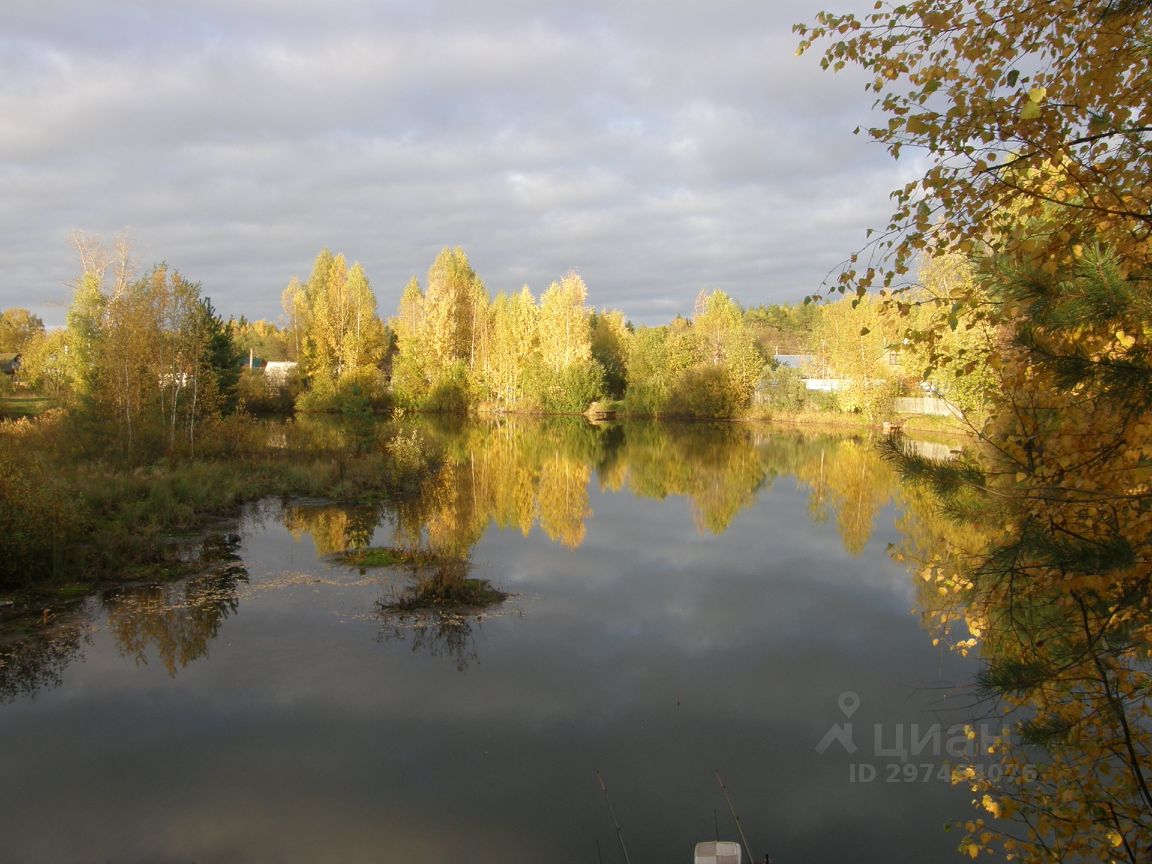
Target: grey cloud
(659,148)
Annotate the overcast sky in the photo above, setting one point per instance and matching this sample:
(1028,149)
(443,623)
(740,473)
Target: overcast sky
(656,146)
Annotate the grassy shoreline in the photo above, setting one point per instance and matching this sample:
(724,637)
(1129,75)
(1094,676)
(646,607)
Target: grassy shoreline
(68,518)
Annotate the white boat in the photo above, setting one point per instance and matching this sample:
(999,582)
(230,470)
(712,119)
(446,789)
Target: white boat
(718,852)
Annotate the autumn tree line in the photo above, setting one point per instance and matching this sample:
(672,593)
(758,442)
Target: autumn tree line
(151,356)
(453,346)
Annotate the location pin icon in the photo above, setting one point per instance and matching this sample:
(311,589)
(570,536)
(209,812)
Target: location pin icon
(849,701)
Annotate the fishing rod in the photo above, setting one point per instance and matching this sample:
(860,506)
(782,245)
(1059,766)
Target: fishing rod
(739,827)
(612,813)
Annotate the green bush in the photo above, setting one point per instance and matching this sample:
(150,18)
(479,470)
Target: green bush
(873,398)
(704,392)
(409,387)
(820,400)
(572,389)
(361,391)
(258,394)
(449,394)
(781,389)
(645,399)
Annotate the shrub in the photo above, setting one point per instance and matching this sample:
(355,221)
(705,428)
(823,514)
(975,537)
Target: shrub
(873,398)
(704,391)
(574,388)
(781,389)
(38,522)
(259,394)
(450,393)
(820,400)
(360,391)
(645,399)
(409,387)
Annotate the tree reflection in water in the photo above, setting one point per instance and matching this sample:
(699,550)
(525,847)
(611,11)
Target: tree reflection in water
(36,648)
(437,608)
(513,473)
(521,473)
(1057,600)
(440,633)
(176,620)
(525,472)
(1061,623)
(334,528)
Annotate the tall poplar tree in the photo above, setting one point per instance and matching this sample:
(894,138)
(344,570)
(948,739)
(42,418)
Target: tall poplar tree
(335,312)
(409,370)
(565,323)
(514,349)
(571,378)
(454,307)
(728,343)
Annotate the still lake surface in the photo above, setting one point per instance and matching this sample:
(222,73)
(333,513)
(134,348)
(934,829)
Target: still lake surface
(685,600)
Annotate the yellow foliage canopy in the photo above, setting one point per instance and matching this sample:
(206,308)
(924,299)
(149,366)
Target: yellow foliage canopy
(1021,107)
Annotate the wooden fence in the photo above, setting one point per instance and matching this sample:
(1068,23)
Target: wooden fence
(931,405)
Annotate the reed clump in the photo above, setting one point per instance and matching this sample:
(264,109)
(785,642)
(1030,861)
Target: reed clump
(446,587)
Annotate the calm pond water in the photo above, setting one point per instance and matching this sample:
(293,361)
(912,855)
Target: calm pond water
(686,600)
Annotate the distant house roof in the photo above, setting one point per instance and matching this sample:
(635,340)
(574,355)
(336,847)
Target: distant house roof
(795,361)
(10,363)
(277,370)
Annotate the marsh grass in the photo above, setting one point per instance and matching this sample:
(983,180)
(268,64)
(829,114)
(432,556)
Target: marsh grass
(465,595)
(71,512)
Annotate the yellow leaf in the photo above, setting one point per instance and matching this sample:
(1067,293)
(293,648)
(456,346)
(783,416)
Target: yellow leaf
(1036,95)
